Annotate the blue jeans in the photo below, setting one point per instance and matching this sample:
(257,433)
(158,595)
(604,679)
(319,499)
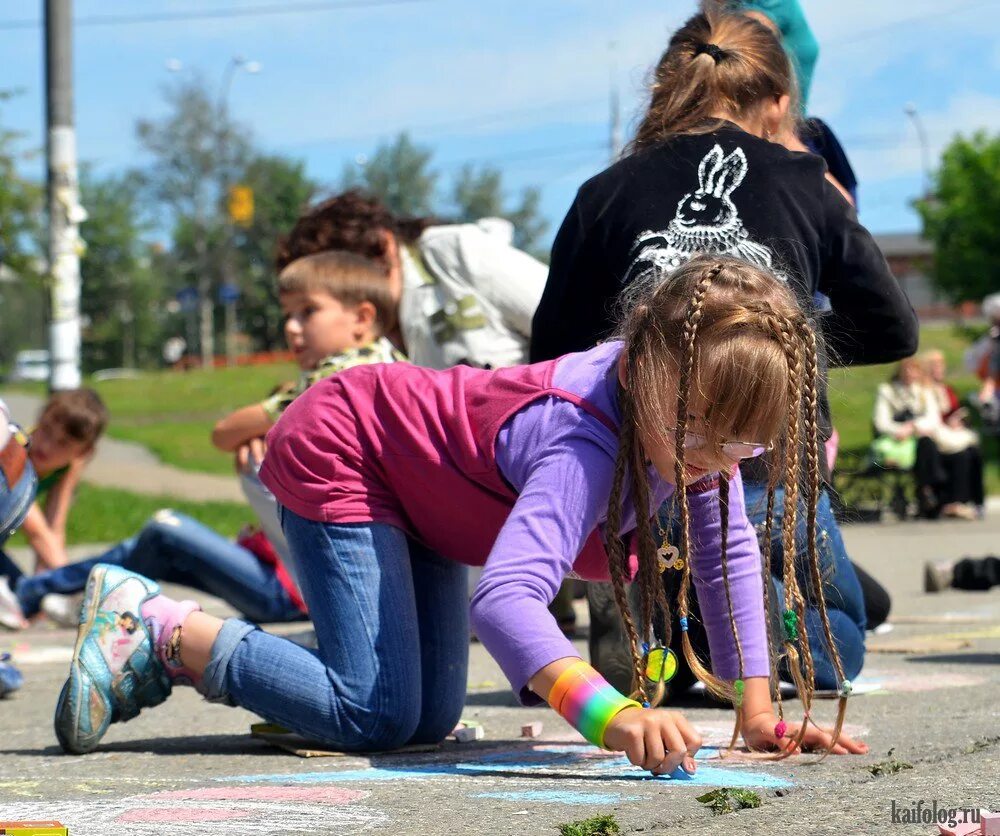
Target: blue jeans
(15,500)
(844,599)
(392,627)
(177,549)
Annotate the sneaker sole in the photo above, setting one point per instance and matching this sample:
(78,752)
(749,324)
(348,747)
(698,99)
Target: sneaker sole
(80,681)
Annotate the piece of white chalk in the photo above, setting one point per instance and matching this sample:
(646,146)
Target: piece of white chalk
(532,729)
(467,734)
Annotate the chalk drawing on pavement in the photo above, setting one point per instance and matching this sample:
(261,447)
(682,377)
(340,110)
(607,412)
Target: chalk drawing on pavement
(582,762)
(244,810)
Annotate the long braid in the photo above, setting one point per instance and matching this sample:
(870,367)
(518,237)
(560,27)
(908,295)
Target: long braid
(651,594)
(766,553)
(793,597)
(714,684)
(617,553)
(811,398)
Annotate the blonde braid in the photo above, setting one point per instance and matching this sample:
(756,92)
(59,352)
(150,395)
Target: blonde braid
(617,553)
(811,398)
(766,553)
(793,597)
(714,684)
(650,582)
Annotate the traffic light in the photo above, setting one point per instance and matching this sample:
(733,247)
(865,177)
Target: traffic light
(241,205)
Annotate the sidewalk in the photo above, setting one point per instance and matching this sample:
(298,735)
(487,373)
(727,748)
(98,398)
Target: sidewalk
(188,767)
(131,467)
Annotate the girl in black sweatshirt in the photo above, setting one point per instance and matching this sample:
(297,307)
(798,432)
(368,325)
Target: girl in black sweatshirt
(707,173)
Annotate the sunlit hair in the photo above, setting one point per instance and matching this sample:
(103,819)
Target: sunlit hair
(349,278)
(729,337)
(690,87)
(909,364)
(354,221)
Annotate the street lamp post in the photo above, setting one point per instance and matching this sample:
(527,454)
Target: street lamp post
(925,157)
(229,288)
(206,302)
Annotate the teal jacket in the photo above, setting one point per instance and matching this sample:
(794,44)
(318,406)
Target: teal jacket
(796,36)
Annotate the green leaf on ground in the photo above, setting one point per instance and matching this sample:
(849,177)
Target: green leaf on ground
(890,766)
(605,825)
(725,800)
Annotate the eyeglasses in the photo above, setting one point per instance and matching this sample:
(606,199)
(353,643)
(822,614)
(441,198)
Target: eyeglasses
(731,449)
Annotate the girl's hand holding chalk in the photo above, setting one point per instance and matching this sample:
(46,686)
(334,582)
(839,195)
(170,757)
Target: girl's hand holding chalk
(654,739)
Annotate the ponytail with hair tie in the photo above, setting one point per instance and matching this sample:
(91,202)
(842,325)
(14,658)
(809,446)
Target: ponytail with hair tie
(718,53)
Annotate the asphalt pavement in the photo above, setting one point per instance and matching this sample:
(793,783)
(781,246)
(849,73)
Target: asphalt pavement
(187,767)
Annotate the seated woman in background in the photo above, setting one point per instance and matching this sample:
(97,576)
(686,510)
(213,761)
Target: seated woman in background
(954,433)
(911,433)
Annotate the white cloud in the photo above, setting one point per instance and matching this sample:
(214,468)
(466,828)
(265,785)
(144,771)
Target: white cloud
(964,113)
(860,38)
(565,69)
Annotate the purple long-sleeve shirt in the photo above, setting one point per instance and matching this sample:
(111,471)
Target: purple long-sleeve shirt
(560,460)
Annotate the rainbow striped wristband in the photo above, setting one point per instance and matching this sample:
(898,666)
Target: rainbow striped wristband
(587,701)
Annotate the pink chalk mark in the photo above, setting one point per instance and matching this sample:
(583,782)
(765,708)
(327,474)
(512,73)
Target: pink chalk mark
(313,795)
(173,815)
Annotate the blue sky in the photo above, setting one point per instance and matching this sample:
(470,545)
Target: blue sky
(522,84)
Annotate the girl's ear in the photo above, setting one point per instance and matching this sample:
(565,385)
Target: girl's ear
(774,114)
(622,369)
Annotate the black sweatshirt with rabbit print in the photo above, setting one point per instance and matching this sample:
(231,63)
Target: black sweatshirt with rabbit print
(722,192)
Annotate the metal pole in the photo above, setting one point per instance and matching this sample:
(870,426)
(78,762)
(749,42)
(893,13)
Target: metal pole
(235,63)
(65,212)
(925,157)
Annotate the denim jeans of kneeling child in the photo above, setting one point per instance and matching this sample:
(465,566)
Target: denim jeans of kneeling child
(174,548)
(392,628)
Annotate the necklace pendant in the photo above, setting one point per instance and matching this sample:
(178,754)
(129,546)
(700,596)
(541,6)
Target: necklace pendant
(669,557)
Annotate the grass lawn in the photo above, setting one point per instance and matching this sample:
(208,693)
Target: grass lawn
(107,515)
(172,413)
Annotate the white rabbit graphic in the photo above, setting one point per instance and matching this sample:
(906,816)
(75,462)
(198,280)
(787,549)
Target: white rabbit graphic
(706,221)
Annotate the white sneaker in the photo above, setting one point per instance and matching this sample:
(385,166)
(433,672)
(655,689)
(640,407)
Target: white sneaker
(11,616)
(64,610)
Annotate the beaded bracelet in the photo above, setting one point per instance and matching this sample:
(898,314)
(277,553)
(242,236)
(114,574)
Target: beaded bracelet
(587,701)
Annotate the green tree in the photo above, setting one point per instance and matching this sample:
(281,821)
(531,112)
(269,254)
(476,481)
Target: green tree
(120,288)
(22,294)
(962,218)
(399,175)
(197,152)
(479,194)
(281,190)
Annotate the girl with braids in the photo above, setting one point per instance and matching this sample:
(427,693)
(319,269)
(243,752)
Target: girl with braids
(704,174)
(392,477)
